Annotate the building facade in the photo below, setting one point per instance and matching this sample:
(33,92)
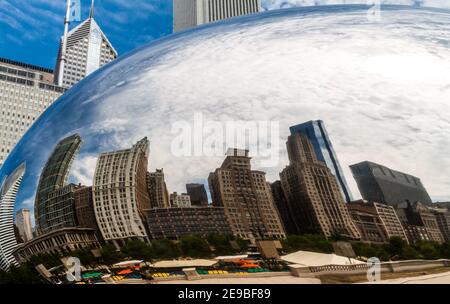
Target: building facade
(120,193)
(8,193)
(391,221)
(198,194)
(416,215)
(317,134)
(246,198)
(173,223)
(87,50)
(25,92)
(24,225)
(443,219)
(157,189)
(283,208)
(191,13)
(54,202)
(381,184)
(368,222)
(57,242)
(84,209)
(314,198)
(180,200)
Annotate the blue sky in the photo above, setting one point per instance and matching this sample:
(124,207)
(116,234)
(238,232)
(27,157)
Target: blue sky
(30,29)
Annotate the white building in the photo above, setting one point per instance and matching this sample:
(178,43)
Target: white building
(120,193)
(25,92)
(180,200)
(24,225)
(8,193)
(87,49)
(191,13)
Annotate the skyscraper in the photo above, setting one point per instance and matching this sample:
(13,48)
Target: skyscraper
(87,49)
(157,189)
(283,207)
(180,200)
(198,194)
(120,193)
(312,191)
(23,223)
(191,13)
(54,203)
(317,134)
(246,198)
(381,184)
(25,92)
(8,192)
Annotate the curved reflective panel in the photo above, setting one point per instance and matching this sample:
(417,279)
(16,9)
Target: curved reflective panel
(381,87)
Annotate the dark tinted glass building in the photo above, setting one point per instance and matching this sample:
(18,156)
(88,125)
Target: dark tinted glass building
(317,134)
(198,195)
(381,184)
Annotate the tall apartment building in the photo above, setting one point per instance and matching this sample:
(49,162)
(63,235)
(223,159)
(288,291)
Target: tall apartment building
(120,193)
(198,194)
(313,193)
(25,92)
(54,202)
(23,223)
(418,215)
(443,219)
(246,198)
(324,151)
(173,223)
(377,223)
(84,209)
(157,189)
(381,184)
(191,13)
(180,200)
(87,49)
(8,193)
(283,207)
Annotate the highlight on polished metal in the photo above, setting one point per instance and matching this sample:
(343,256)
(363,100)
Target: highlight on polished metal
(376,85)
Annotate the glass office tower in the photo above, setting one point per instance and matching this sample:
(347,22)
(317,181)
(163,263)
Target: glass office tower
(317,134)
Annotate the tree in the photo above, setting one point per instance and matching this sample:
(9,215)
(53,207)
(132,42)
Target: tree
(396,246)
(195,247)
(445,251)
(137,249)
(165,249)
(409,253)
(428,250)
(308,242)
(110,254)
(85,255)
(221,244)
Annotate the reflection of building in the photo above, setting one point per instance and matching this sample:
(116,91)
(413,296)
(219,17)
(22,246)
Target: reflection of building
(313,194)
(198,194)
(246,197)
(318,136)
(23,223)
(191,13)
(173,223)
(376,222)
(381,184)
(443,219)
(57,242)
(180,200)
(120,193)
(157,189)
(87,49)
(283,207)
(54,206)
(391,221)
(8,192)
(25,92)
(84,209)
(416,216)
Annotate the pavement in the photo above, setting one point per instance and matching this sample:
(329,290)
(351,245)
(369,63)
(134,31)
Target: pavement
(261,280)
(438,278)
